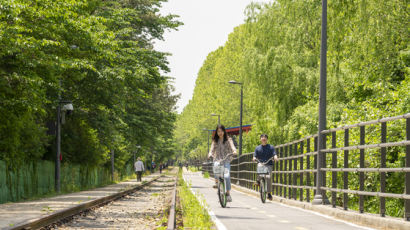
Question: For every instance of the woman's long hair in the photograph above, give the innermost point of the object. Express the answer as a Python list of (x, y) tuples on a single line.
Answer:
[(216, 136)]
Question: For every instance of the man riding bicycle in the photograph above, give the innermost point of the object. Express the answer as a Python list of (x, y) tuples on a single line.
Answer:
[(263, 153)]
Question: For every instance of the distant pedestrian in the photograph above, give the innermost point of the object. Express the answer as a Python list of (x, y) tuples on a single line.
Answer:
[(160, 168), (139, 168), (153, 165)]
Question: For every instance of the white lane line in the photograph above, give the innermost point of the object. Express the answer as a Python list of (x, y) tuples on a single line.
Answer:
[(262, 212), (300, 228), (284, 221), (312, 212), (217, 222), (271, 216)]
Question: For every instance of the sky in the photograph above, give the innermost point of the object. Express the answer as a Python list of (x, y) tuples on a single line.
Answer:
[(207, 24)]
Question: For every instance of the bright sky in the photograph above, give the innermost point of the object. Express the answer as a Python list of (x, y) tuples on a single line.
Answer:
[(207, 24)]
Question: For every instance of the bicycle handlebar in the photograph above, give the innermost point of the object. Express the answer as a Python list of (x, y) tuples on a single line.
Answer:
[(266, 162), (226, 157)]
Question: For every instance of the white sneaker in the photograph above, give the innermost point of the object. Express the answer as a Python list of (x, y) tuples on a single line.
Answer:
[(228, 198)]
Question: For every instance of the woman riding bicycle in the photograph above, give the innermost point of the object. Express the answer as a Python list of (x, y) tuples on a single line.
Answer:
[(222, 145), (263, 153)]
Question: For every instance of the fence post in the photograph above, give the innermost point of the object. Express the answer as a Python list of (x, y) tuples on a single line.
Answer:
[(301, 173), (383, 174), (285, 176), (334, 165), (308, 167), (295, 167), (281, 169), (407, 202), (361, 174), (315, 164), (345, 174)]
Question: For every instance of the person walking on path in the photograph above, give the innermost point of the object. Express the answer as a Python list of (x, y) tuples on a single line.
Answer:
[(222, 145), (263, 153), (139, 168)]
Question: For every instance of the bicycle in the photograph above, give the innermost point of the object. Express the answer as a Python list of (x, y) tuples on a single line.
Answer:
[(262, 170), (220, 171)]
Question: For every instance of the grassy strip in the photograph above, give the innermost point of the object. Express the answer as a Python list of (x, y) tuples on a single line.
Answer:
[(193, 169), (206, 175), (194, 215)]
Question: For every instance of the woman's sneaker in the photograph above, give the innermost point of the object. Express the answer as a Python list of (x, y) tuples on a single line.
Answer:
[(228, 198)]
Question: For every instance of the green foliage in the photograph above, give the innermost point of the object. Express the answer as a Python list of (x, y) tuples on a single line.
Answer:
[(206, 175), (276, 54), (99, 55)]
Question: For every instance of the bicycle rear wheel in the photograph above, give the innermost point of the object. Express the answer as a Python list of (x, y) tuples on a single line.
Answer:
[(262, 190), (221, 193)]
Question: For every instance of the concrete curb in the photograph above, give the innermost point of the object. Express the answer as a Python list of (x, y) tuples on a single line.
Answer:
[(362, 219)]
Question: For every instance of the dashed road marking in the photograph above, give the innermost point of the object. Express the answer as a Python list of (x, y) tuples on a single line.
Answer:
[(262, 212), (271, 216), (300, 228), (284, 221)]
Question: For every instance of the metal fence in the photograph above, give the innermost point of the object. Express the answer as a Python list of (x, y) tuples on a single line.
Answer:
[(294, 176)]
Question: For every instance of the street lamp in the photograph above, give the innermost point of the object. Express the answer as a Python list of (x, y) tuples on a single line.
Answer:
[(66, 108), (320, 196), (240, 117), (219, 118)]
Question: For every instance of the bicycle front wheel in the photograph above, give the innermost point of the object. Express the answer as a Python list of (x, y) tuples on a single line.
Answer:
[(221, 193), (262, 190)]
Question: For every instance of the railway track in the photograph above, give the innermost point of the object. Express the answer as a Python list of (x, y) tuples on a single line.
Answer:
[(142, 207)]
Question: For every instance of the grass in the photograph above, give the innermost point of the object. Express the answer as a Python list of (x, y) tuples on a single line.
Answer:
[(194, 215), (193, 169), (163, 222), (206, 175)]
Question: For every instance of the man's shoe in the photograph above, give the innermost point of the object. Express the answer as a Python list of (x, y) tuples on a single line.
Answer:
[(228, 198), (214, 186), (269, 196)]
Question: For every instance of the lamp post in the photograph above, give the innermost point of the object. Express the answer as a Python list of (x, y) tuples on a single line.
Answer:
[(68, 107), (219, 118), (240, 117), (320, 196)]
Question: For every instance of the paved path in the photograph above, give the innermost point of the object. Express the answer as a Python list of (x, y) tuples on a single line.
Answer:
[(248, 212), (12, 214)]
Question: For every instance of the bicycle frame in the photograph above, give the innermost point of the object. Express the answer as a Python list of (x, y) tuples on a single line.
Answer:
[(262, 172), (219, 171)]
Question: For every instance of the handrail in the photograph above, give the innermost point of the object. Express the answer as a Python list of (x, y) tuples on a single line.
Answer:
[(294, 176)]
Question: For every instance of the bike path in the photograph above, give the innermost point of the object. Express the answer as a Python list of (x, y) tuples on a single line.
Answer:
[(12, 214), (248, 212)]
